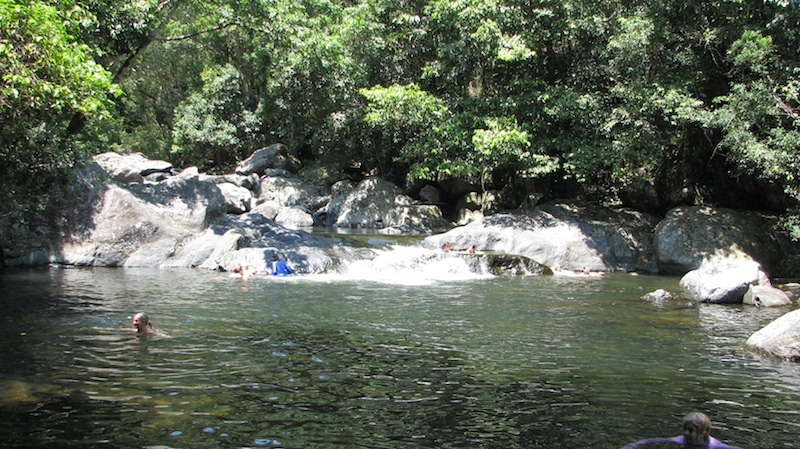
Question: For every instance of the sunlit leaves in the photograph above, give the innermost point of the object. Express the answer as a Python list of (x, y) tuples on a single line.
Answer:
[(753, 52), (513, 48), (629, 48), (44, 69), (397, 107), (52, 96), (759, 118), (213, 126), (405, 117), (503, 143)]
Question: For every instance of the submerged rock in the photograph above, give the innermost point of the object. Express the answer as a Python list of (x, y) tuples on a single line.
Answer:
[(658, 296)]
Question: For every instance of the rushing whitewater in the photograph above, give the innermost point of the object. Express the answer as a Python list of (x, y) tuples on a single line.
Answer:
[(413, 265)]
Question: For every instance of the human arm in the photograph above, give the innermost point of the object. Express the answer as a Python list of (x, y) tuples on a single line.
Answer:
[(673, 440), (714, 443)]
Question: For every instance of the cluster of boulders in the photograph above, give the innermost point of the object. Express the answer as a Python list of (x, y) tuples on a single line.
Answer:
[(267, 183), (137, 212), (143, 213)]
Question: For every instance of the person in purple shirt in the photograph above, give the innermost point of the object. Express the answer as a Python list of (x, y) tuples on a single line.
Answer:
[(696, 435)]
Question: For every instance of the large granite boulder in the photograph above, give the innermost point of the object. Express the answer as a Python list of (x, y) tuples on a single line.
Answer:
[(294, 217), (249, 182), (378, 204), (290, 201), (570, 236), (290, 191), (130, 219), (237, 199), (723, 279), (130, 167), (687, 236), (780, 338), (275, 156)]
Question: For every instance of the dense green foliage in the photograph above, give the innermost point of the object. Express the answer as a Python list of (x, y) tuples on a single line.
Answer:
[(50, 85), (564, 97)]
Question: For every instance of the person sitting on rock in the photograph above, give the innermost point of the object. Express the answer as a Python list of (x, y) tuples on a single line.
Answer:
[(279, 267), (696, 435)]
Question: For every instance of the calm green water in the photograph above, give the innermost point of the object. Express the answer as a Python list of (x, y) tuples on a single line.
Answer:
[(377, 358)]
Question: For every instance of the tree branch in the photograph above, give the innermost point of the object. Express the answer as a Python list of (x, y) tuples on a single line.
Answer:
[(151, 37), (197, 33)]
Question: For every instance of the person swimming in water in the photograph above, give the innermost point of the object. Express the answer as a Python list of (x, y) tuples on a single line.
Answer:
[(143, 326), (242, 271), (696, 435)]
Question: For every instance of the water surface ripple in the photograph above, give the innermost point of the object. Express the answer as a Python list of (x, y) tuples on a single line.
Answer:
[(349, 360)]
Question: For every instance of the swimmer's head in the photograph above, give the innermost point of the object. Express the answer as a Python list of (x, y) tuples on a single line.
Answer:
[(696, 428), (141, 322)]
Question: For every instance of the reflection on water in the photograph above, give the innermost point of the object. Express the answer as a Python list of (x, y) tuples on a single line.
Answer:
[(386, 358)]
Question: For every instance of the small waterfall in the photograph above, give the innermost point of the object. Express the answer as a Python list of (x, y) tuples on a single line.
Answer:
[(415, 265)]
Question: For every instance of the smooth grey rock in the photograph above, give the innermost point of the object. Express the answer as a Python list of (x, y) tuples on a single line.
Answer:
[(723, 280), (274, 156), (765, 296), (376, 204), (780, 338), (569, 236), (130, 167), (689, 235)]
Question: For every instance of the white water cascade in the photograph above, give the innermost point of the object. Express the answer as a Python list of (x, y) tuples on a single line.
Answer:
[(414, 265)]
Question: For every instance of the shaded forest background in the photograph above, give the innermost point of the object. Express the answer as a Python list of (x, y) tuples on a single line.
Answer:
[(693, 101)]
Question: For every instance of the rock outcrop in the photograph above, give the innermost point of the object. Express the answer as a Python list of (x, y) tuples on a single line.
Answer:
[(275, 156), (378, 204), (128, 220), (688, 236), (190, 219), (137, 212), (570, 236), (133, 167)]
